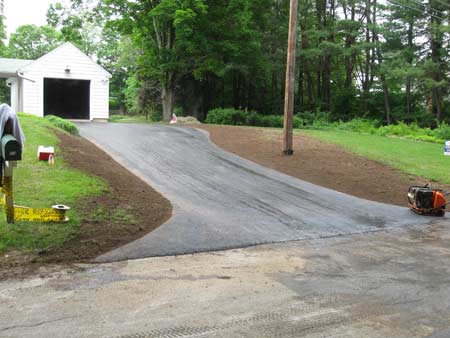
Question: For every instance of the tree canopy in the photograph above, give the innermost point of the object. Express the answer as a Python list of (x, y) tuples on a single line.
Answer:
[(380, 59)]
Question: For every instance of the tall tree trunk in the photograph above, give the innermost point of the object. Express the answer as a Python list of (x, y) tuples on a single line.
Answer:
[(436, 103), (274, 95), (302, 66), (300, 89), (327, 59), (321, 6), (379, 55), (436, 46), (387, 105), (236, 89), (168, 100), (367, 63), (410, 61), (165, 40), (349, 59), (310, 90)]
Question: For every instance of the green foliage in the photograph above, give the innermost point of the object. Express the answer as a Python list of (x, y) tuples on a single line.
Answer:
[(135, 118), (236, 117), (2, 37), (131, 93), (320, 121), (63, 124), (402, 130), (36, 184), (356, 125), (227, 116), (5, 91), (442, 132), (156, 115), (316, 118), (31, 42), (80, 23), (114, 103), (384, 62)]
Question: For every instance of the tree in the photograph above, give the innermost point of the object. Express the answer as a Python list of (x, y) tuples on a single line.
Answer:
[(159, 30), (4, 90), (80, 24), (356, 58), (31, 42)]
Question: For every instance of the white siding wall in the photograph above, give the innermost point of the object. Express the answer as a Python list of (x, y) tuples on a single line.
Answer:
[(14, 82), (31, 96), (53, 65)]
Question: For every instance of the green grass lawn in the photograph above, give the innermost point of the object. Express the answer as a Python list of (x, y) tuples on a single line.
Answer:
[(37, 184), (130, 119), (414, 157)]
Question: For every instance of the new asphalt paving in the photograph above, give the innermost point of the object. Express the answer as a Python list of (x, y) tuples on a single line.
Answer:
[(222, 201)]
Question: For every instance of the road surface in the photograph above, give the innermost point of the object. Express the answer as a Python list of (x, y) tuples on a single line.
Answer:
[(222, 201), (388, 284)]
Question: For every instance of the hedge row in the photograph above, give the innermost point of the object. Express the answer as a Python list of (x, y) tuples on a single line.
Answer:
[(63, 124), (238, 117)]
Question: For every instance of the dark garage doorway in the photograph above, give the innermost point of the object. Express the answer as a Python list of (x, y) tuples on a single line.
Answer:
[(68, 99)]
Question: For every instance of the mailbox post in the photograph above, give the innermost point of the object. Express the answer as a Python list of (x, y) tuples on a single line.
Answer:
[(8, 191), (11, 151)]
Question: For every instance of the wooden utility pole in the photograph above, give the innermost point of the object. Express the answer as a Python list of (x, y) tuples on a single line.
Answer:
[(290, 79)]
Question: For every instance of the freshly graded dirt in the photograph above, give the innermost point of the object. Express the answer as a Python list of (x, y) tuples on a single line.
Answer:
[(317, 162), (97, 235)]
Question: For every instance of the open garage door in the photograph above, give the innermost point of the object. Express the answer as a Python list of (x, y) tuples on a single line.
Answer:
[(68, 99)]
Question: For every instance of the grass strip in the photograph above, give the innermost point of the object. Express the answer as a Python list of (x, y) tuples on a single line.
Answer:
[(413, 157), (38, 184)]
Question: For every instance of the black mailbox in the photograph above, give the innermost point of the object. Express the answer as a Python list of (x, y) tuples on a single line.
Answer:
[(11, 148)]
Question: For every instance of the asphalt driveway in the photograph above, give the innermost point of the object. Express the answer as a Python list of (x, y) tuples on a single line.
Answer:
[(222, 201)]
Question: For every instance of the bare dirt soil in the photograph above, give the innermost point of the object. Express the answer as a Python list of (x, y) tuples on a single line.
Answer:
[(98, 233), (320, 163)]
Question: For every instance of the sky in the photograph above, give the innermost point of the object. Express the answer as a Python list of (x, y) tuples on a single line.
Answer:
[(22, 12)]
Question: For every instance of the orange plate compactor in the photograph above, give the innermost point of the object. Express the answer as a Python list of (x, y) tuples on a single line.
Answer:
[(427, 201)]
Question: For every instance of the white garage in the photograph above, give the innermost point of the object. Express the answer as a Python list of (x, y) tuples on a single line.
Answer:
[(65, 82)]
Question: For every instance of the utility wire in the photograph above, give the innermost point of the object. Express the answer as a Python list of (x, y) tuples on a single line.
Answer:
[(442, 3), (415, 9), (427, 7)]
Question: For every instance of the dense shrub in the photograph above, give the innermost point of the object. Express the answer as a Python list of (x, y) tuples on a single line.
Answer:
[(320, 120), (442, 132), (410, 131), (156, 115), (310, 118), (63, 124), (236, 117), (228, 116), (114, 103), (357, 125)]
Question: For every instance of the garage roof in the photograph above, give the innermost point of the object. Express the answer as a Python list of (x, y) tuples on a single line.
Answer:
[(63, 49), (10, 67)]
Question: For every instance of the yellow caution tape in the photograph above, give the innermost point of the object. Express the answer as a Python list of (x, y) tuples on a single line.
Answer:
[(19, 213), (38, 215)]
